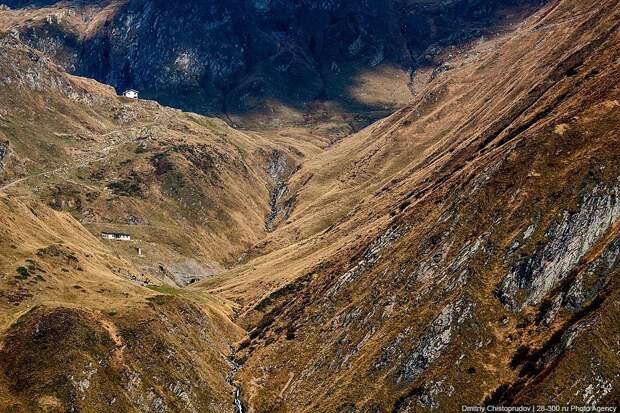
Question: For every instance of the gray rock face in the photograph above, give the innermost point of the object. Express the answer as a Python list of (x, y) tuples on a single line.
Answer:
[(4, 150), (587, 285), (426, 397), (553, 310), (566, 340), (35, 74), (566, 242), (436, 339), (370, 257), (279, 171)]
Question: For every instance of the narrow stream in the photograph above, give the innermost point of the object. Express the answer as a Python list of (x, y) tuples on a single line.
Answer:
[(234, 368)]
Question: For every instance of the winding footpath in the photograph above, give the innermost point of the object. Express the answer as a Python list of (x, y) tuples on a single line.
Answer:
[(95, 156)]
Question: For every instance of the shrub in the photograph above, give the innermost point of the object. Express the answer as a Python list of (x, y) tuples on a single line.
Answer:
[(23, 273)]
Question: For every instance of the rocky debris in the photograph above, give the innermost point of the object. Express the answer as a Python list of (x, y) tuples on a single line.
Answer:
[(276, 195), (553, 310), (575, 295), (139, 280), (444, 265), (566, 241), (435, 340), (279, 171), (277, 165), (82, 383), (527, 234), (230, 380), (457, 271), (182, 390), (186, 272), (146, 400), (595, 392), (426, 396), (125, 114), (370, 256), (135, 220)]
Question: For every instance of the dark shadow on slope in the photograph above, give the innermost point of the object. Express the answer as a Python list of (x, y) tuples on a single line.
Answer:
[(291, 61)]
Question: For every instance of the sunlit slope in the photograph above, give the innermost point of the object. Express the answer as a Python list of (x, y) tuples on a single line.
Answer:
[(76, 334), (480, 257), (191, 191)]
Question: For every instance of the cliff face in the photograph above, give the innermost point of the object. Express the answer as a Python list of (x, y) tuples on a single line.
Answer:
[(239, 57)]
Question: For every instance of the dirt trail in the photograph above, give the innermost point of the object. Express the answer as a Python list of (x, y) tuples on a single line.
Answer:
[(95, 155)]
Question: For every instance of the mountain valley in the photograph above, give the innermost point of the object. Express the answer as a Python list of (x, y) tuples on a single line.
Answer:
[(336, 206)]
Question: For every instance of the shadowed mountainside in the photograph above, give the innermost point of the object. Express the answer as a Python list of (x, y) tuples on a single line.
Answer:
[(259, 62)]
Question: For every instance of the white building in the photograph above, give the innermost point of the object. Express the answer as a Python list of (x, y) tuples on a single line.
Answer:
[(132, 94), (116, 236)]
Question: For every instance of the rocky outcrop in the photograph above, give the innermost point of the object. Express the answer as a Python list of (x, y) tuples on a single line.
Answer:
[(278, 170), (4, 150), (29, 70), (588, 283), (566, 242), (435, 340), (369, 257)]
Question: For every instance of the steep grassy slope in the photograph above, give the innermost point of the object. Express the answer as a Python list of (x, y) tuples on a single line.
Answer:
[(464, 250), (481, 257), (80, 329)]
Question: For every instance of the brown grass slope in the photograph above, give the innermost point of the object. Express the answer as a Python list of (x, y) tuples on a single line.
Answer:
[(193, 192), (80, 331), (76, 335), (480, 259)]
